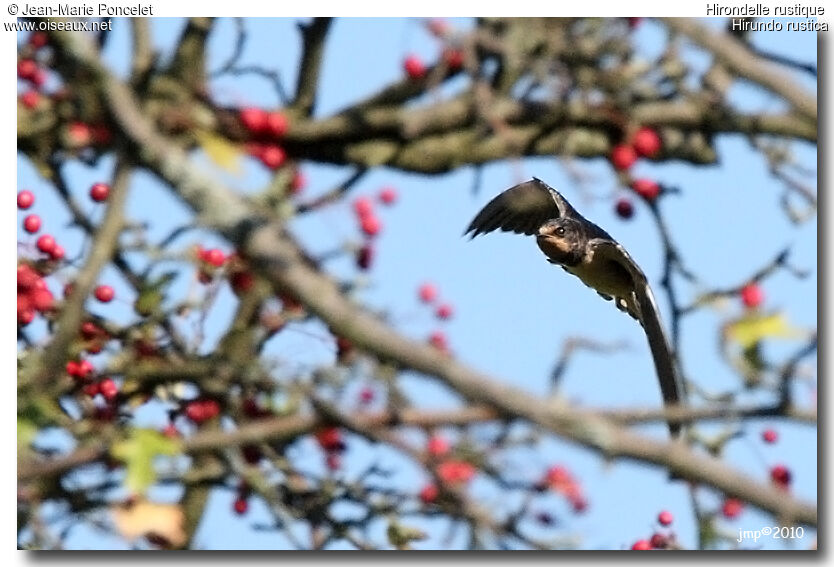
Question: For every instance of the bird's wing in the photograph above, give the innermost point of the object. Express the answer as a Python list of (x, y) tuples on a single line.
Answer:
[(671, 385), (521, 209)]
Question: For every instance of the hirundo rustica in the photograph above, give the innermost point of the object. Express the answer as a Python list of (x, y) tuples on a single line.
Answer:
[(586, 251)]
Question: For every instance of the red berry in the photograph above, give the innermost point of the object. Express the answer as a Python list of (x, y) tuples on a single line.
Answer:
[(634, 22), (24, 302), (438, 340), (46, 243), (25, 199), (428, 493), (253, 119), (30, 99), (365, 257), (38, 78), (26, 69), (558, 478), (578, 503), (104, 293), (453, 58), (427, 292), (455, 471), (242, 282), (623, 157), (89, 330), (72, 368), (277, 124), (371, 225), (42, 300), (91, 389), (646, 142), (641, 545), (251, 454), (171, 431), (731, 508), (665, 518), (780, 475), (85, 368), (414, 67), (99, 192), (27, 277), (752, 295), (624, 208), (101, 134), (38, 39), (58, 252), (108, 389), (272, 156), (241, 506), (646, 188), (363, 207), (444, 311), (437, 446), (366, 395), (438, 27), (199, 411), (32, 224), (388, 195), (298, 182), (94, 347), (658, 541), (770, 436), (330, 439), (26, 316), (215, 257), (79, 134)]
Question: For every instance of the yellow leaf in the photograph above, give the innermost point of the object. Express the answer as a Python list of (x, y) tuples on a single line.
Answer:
[(137, 451), (220, 150), (142, 518), (755, 327)]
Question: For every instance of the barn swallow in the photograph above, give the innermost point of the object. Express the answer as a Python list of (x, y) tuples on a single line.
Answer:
[(586, 251)]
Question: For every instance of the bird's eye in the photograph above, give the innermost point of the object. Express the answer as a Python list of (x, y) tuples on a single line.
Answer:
[(560, 231)]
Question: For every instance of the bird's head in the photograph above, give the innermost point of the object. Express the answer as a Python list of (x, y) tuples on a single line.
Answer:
[(562, 240)]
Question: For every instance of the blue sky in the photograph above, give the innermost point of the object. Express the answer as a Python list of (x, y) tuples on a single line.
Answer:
[(727, 223)]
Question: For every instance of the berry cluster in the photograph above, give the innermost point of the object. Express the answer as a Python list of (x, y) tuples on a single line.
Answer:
[(660, 539), (266, 129), (451, 55), (33, 295), (369, 224), (429, 295), (644, 143)]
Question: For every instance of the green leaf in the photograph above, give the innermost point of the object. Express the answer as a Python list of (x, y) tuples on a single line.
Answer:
[(137, 452)]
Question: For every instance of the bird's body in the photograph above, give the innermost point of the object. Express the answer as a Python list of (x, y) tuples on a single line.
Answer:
[(586, 251)]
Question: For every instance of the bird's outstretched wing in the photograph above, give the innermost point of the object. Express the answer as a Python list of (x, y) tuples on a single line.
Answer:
[(521, 209), (671, 385)]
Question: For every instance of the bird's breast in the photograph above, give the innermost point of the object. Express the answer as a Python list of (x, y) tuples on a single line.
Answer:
[(604, 276)]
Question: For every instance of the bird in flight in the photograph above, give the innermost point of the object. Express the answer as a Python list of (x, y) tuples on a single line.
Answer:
[(586, 251)]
